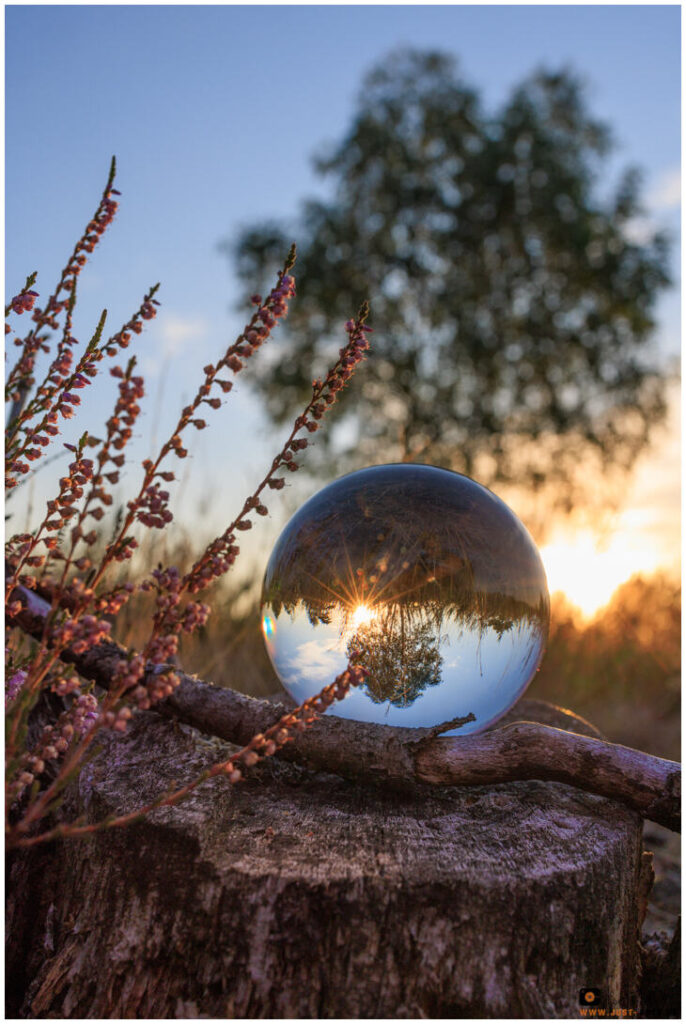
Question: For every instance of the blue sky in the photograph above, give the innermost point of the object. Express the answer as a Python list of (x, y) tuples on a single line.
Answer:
[(214, 114)]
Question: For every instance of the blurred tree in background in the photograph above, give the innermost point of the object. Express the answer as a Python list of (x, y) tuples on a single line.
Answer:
[(512, 308)]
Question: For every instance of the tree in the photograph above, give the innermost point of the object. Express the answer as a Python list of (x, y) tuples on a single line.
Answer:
[(512, 307), (400, 650)]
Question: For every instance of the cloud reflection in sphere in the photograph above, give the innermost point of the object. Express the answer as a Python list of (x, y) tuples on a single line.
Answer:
[(423, 576)]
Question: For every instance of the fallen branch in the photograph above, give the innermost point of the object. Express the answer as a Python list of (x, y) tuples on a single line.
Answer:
[(521, 750)]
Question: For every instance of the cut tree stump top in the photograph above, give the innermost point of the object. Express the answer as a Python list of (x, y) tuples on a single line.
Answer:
[(300, 894)]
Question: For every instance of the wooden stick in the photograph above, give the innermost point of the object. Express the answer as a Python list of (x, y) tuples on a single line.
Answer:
[(527, 750), (359, 750)]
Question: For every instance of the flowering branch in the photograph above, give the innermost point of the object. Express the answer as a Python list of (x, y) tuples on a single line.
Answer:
[(56, 394), (261, 745), (24, 301), (73, 622), (84, 631), (222, 552), (20, 378)]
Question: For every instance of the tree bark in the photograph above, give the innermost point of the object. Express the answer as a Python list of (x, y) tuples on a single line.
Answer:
[(661, 974), (302, 894)]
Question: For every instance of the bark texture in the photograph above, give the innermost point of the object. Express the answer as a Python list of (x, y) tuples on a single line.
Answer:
[(661, 975), (298, 894)]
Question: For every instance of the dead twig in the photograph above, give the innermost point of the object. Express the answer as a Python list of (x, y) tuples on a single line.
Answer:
[(522, 750)]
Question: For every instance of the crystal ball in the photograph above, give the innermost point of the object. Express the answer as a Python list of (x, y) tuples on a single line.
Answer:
[(421, 575)]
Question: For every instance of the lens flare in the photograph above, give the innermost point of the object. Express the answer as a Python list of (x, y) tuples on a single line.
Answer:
[(362, 615), (268, 626)]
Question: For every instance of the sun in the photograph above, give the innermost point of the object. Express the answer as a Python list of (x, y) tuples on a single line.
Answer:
[(588, 574), (362, 615)]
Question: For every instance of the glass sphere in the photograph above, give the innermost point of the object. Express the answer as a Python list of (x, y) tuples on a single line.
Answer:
[(421, 575)]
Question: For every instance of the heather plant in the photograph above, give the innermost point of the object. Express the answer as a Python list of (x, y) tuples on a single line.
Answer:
[(66, 569)]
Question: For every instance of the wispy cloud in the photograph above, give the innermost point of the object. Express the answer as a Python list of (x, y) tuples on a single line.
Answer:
[(171, 335), (317, 663), (666, 192), (178, 332)]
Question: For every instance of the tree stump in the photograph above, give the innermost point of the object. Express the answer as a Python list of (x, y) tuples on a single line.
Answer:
[(299, 894)]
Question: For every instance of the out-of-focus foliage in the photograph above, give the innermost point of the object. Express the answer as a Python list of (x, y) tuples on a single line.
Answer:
[(622, 669), (510, 301)]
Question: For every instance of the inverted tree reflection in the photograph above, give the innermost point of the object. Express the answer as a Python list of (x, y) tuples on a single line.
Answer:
[(417, 570), (400, 649)]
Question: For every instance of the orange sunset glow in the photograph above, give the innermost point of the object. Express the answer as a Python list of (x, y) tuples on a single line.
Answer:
[(588, 573)]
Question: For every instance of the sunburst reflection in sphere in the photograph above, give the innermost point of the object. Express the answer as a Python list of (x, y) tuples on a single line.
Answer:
[(361, 616), (421, 575)]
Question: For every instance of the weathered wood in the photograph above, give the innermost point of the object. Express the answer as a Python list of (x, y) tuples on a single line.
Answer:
[(661, 975), (648, 784), (521, 750), (299, 894), (525, 750)]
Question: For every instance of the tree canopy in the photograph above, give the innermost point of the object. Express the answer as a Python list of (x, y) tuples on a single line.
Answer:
[(512, 304)]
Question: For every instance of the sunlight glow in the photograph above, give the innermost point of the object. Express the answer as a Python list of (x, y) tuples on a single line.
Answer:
[(362, 615), (588, 574)]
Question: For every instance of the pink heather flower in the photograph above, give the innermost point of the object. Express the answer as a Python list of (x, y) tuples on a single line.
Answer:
[(14, 685), (24, 301)]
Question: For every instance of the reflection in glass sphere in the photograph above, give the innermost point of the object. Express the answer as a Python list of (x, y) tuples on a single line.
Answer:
[(429, 577)]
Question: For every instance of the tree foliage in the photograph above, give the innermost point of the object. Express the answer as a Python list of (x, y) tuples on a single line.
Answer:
[(401, 652), (511, 303)]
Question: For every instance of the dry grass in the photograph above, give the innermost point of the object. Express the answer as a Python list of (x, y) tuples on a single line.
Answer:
[(228, 650), (621, 670)]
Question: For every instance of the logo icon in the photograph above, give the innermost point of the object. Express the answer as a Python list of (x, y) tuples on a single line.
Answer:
[(589, 996)]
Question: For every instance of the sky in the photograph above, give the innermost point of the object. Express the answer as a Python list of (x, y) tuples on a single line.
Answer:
[(480, 668), (214, 114)]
